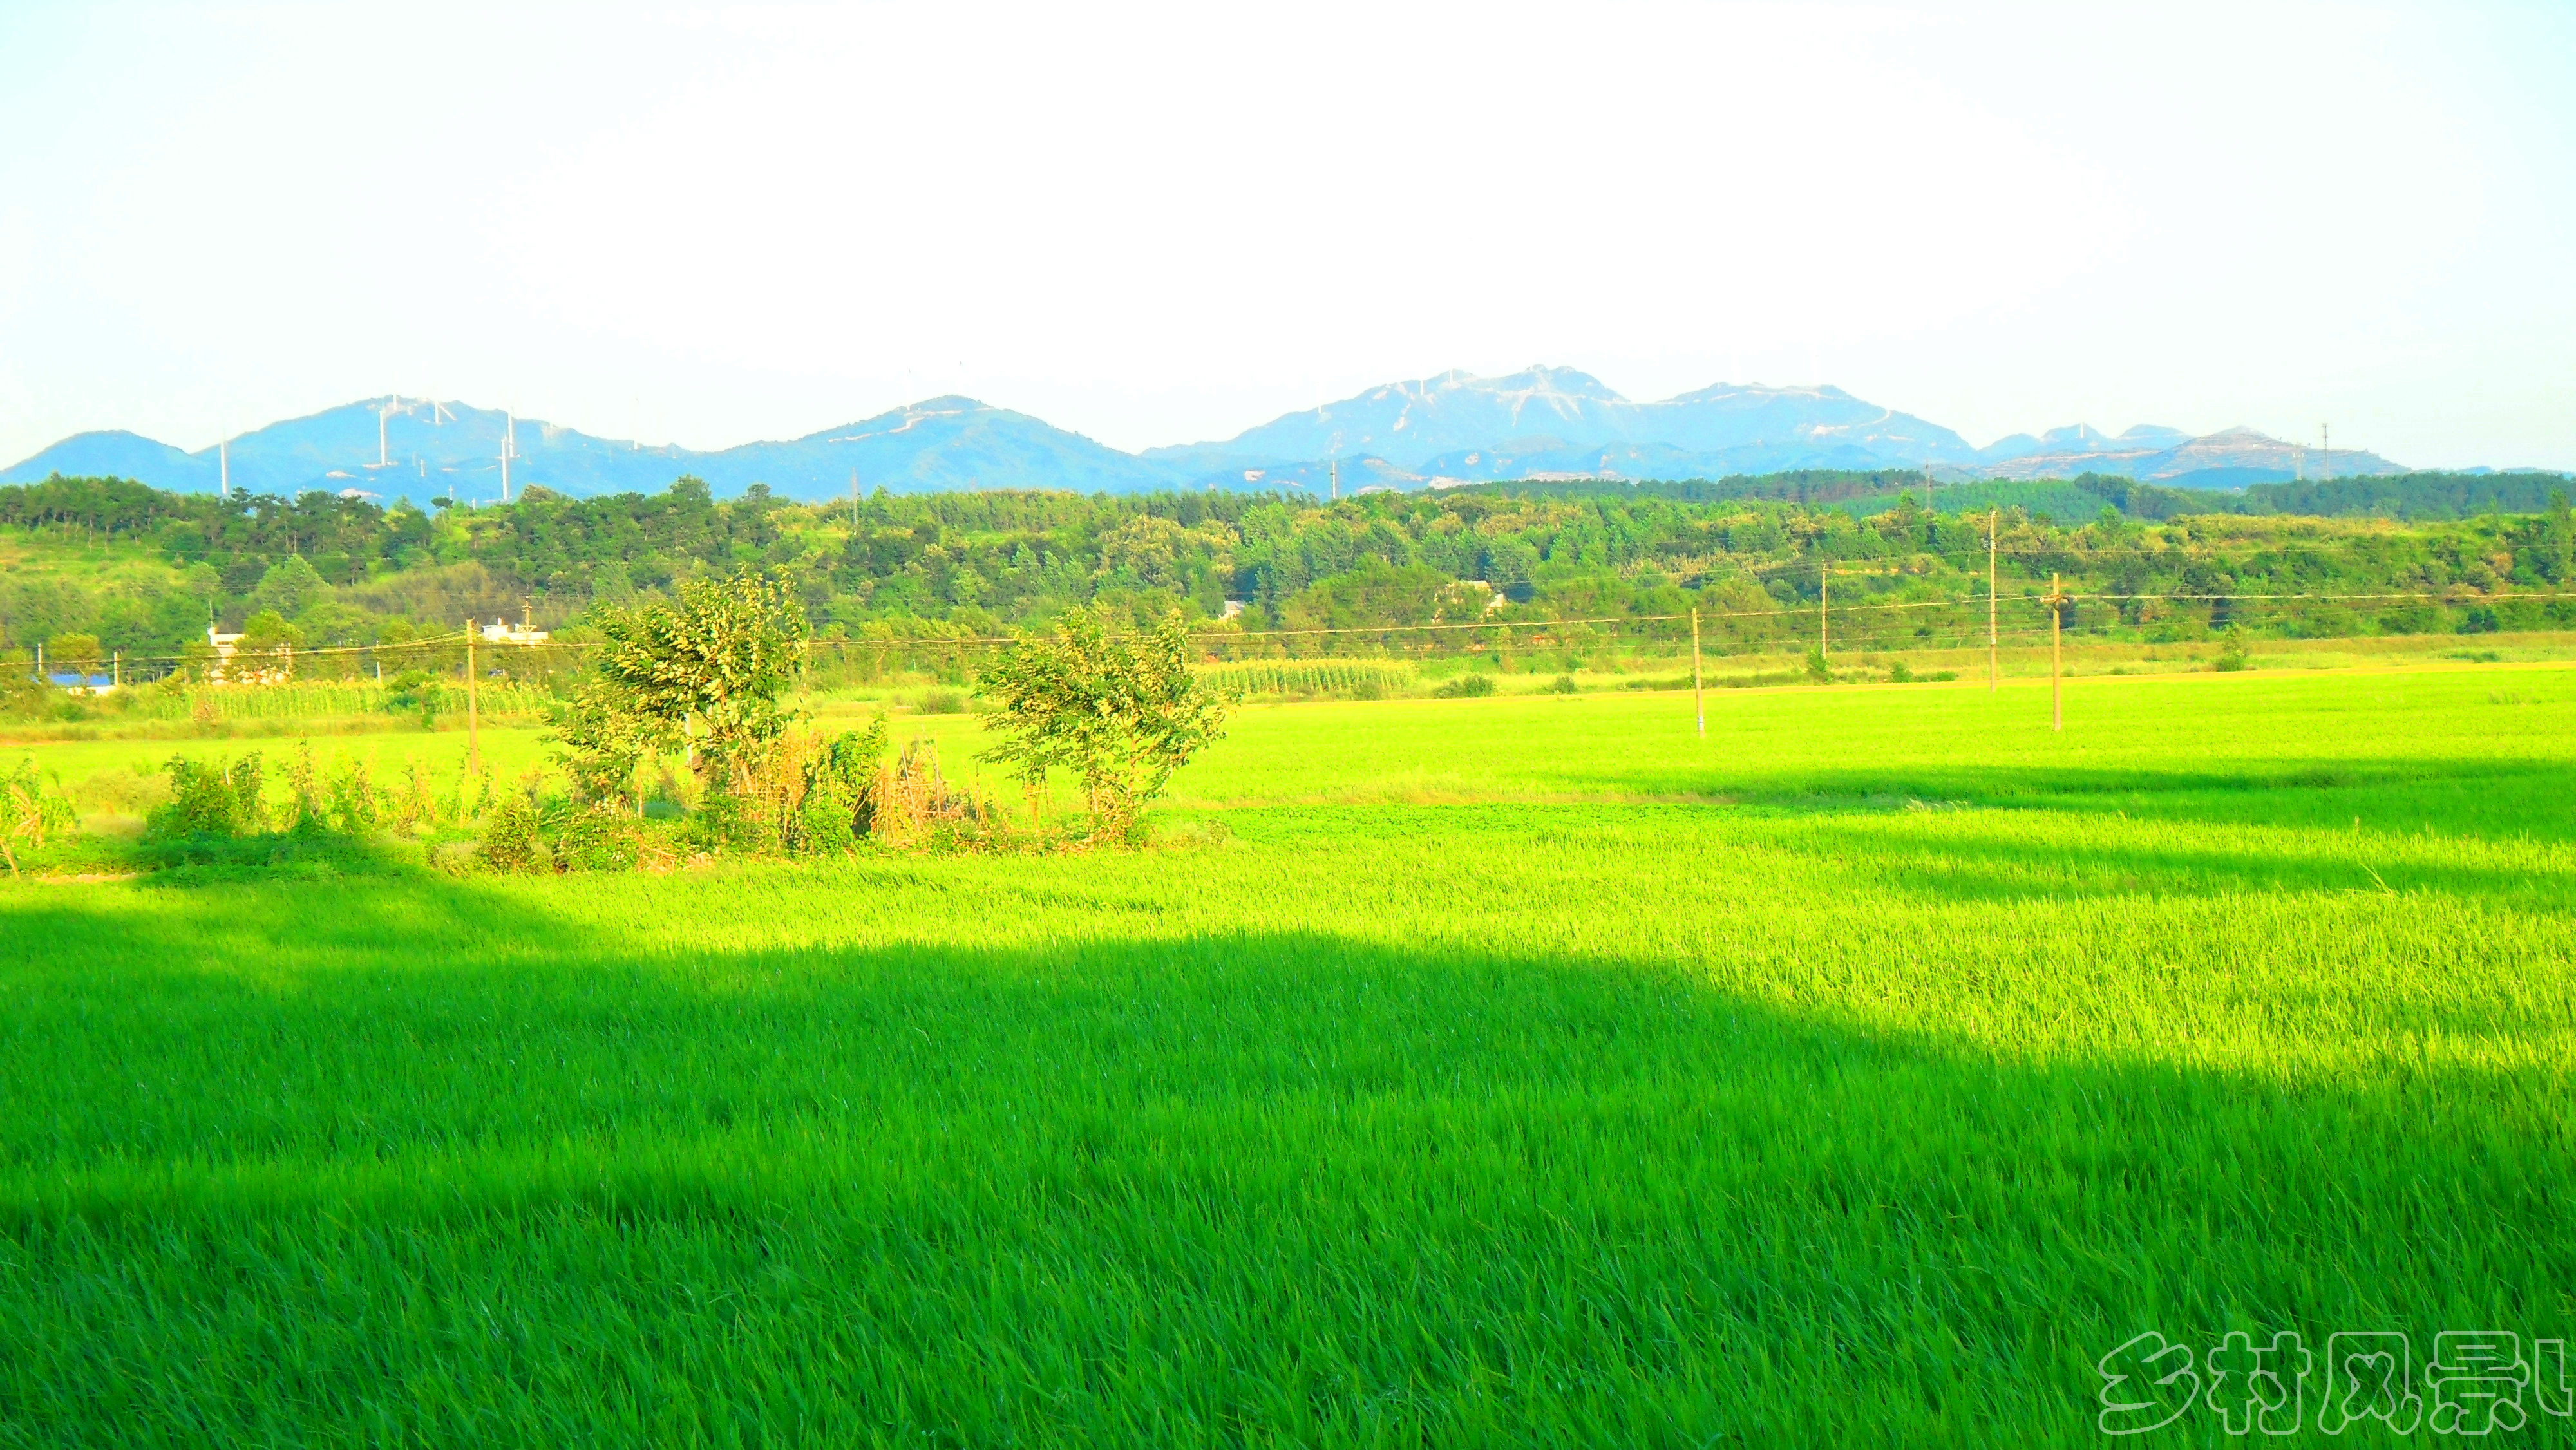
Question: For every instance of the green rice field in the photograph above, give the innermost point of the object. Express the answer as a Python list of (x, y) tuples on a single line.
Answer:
[(1527, 1070)]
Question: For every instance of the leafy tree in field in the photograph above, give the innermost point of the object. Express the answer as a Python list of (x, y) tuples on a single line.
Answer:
[(29, 812), (705, 670), (265, 631), (1121, 712), (72, 652)]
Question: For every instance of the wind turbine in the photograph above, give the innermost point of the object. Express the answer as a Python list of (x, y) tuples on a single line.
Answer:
[(393, 404), (509, 450)]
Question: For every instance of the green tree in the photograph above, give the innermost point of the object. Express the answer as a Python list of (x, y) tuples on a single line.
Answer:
[(266, 631), (292, 587), (705, 670), (1121, 712), (72, 652)]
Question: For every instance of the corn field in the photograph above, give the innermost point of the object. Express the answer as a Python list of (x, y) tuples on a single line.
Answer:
[(1307, 677), (324, 699)]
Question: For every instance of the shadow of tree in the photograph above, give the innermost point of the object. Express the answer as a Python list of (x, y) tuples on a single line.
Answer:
[(1969, 857), (416, 1157), (2497, 799)]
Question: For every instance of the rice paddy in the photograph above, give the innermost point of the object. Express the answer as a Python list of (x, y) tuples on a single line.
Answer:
[(1486, 1071)]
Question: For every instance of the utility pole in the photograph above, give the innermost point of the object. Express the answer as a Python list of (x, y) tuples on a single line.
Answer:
[(1994, 670), (2056, 654), (1927, 488), (1699, 700), (1337, 479), (473, 722), (1824, 581)]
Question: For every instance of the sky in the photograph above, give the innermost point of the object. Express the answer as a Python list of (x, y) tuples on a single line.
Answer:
[(707, 224)]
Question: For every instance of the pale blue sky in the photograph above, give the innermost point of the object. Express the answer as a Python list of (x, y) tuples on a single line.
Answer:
[(712, 223)]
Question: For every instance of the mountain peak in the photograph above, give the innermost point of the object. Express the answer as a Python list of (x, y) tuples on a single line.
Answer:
[(1538, 378)]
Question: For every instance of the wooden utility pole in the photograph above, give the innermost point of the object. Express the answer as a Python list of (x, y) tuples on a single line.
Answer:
[(2056, 654), (1699, 699), (473, 717), (1994, 670), (1824, 579)]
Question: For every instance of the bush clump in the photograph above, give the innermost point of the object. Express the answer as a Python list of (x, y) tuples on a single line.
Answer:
[(218, 798), (511, 839)]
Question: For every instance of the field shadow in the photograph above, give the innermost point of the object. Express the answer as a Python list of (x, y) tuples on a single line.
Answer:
[(2490, 799), (1966, 860), (447, 1162)]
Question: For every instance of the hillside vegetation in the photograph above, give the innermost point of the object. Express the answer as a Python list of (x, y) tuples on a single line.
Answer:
[(112, 567)]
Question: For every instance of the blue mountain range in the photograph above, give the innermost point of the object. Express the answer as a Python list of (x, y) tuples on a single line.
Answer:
[(1433, 432)]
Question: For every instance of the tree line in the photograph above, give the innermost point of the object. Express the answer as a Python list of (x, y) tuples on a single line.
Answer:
[(106, 566)]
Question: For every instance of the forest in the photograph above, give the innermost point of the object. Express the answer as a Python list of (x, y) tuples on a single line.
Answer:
[(94, 567)]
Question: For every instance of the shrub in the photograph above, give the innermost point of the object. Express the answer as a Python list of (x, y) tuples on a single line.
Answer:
[(218, 799), (354, 806), (511, 841), (1466, 687), (29, 812), (914, 800), (415, 692), (1563, 685), (1817, 669), (591, 840)]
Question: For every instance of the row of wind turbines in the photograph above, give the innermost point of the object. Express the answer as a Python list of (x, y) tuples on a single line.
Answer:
[(391, 407)]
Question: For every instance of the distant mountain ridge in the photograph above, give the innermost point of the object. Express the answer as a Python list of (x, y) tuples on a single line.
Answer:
[(1412, 424), (1450, 429), (411, 447)]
